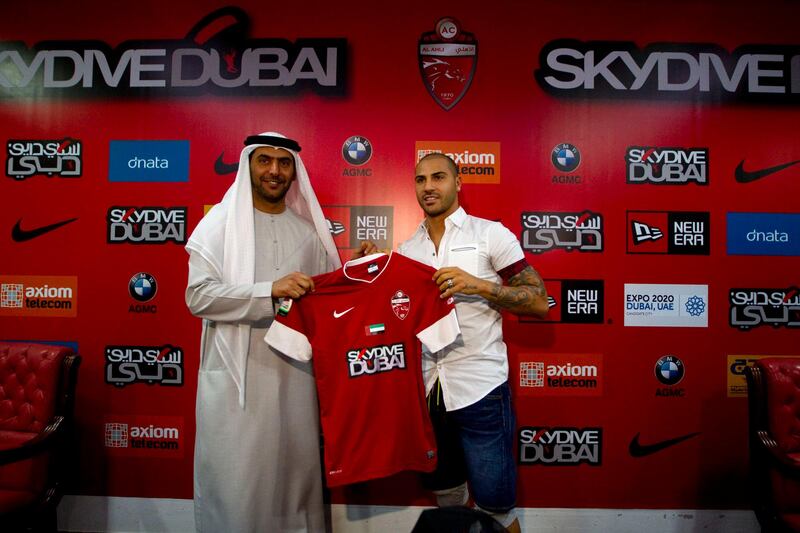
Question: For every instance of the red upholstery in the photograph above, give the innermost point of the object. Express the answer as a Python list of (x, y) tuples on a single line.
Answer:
[(774, 405)]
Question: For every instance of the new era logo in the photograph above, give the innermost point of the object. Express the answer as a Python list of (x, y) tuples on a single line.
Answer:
[(643, 232)]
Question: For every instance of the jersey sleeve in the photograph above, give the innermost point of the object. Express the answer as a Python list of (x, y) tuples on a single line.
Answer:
[(288, 332), (504, 248)]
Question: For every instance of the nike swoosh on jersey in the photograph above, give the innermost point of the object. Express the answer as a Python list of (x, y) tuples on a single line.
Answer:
[(222, 168), (21, 235), (641, 450), (743, 176), (337, 314)]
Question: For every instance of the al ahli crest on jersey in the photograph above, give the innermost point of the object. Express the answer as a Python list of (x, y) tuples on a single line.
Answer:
[(401, 304), (448, 58)]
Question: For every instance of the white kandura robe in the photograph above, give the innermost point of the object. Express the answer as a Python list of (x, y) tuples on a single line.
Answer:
[(257, 469)]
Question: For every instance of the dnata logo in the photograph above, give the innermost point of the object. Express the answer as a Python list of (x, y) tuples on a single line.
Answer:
[(560, 446), (57, 157), (764, 234), (376, 359), (54, 296), (670, 71), (477, 162), (148, 161), (215, 56)]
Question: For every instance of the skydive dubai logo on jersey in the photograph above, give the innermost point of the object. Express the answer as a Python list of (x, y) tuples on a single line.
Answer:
[(666, 166), (560, 446), (144, 436), (146, 225), (216, 56), (56, 157), (477, 162), (448, 58), (543, 231), (144, 364), (668, 232), (376, 359), (560, 374), (573, 301), (351, 224), (44, 296), (750, 308), (670, 71)]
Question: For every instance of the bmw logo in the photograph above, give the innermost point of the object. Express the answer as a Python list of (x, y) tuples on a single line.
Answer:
[(142, 287), (356, 150), (566, 157), (669, 370)]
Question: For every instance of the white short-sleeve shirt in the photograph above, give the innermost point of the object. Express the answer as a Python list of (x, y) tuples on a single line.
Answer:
[(477, 362)]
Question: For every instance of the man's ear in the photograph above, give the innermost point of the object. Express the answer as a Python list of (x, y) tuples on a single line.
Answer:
[(458, 183)]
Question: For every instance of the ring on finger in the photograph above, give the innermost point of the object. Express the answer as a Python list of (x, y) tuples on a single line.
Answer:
[(450, 283)]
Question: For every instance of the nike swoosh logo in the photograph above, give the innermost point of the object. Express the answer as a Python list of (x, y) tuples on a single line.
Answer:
[(222, 168), (21, 235), (337, 315), (742, 176), (640, 450)]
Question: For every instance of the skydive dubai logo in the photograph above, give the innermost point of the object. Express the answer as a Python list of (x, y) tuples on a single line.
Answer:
[(477, 162), (666, 305), (670, 71), (144, 364), (57, 157), (666, 166), (560, 446), (144, 436), (216, 56), (146, 225), (543, 231), (376, 359), (573, 301), (561, 374), (44, 296), (668, 232), (349, 225), (750, 308), (448, 58), (357, 151)]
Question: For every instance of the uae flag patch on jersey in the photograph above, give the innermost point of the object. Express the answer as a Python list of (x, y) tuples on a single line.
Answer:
[(375, 329)]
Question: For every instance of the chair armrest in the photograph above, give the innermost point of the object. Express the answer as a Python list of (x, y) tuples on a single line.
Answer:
[(40, 443)]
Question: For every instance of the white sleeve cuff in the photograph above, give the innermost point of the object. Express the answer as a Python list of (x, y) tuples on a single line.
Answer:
[(441, 333), (289, 342)]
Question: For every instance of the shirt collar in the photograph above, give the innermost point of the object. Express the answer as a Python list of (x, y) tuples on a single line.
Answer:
[(456, 218)]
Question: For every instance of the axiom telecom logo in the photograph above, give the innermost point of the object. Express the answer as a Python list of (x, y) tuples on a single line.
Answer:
[(670, 71), (666, 166), (754, 307), (736, 380), (477, 162), (571, 231), (50, 157), (573, 301), (448, 57), (161, 365), (351, 224), (560, 446), (42, 296), (668, 232), (560, 375), (146, 225), (666, 305), (376, 359), (216, 56), (144, 436)]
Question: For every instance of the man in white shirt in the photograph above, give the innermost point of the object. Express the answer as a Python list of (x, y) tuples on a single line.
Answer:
[(481, 265)]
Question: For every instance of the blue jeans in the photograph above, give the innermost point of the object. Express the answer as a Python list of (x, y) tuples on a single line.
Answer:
[(476, 444)]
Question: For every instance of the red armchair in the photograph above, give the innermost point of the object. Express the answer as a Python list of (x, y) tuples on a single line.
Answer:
[(37, 391), (774, 404)]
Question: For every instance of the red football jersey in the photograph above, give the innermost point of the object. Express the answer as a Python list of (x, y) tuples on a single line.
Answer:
[(363, 324)]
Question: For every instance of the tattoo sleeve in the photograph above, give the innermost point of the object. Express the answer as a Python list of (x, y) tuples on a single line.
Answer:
[(524, 295)]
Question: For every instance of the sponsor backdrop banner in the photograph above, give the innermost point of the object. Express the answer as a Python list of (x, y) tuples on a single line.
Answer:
[(650, 179)]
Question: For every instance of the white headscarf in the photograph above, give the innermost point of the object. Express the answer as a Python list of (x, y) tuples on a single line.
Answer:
[(225, 238)]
